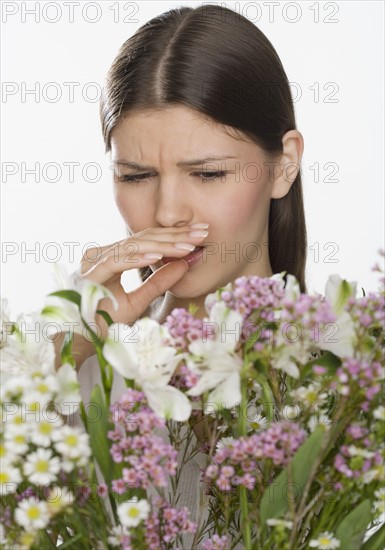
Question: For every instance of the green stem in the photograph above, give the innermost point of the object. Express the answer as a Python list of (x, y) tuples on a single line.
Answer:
[(106, 375), (244, 505)]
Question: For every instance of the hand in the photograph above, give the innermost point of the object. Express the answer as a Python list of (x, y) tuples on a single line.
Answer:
[(105, 265)]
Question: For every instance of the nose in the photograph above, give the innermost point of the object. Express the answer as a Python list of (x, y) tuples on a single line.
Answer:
[(172, 205)]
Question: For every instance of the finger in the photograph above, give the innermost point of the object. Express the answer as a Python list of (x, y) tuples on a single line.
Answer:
[(153, 287), (133, 242), (94, 254), (134, 257)]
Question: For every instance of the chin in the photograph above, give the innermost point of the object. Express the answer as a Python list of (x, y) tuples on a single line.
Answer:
[(187, 289), (184, 290)]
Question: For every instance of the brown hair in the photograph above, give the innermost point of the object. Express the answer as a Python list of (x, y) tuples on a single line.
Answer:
[(217, 62)]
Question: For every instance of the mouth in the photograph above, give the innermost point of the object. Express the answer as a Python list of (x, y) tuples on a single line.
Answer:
[(191, 258)]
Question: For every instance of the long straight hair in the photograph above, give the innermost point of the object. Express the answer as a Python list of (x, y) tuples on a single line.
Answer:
[(215, 61)]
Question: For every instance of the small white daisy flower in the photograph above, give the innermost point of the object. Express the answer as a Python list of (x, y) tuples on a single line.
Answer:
[(42, 432), (291, 412), (117, 535), (41, 467), (68, 465), (31, 514), (254, 418), (72, 442), (309, 395), (42, 390), (17, 423), (325, 541), (224, 442), (318, 420), (379, 413), (356, 451), (18, 442), (131, 513), (14, 387), (7, 453), (58, 498), (9, 478)]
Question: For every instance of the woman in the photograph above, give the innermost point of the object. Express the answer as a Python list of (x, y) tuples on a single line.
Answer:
[(198, 117), (180, 90)]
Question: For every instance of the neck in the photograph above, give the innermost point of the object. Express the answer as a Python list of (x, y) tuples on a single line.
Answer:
[(170, 302), (164, 305)]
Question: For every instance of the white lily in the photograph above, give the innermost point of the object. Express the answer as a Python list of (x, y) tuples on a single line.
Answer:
[(28, 350), (340, 342), (66, 313), (338, 291), (292, 288), (216, 360), (149, 362)]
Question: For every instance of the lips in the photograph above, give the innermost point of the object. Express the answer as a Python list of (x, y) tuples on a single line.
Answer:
[(191, 258)]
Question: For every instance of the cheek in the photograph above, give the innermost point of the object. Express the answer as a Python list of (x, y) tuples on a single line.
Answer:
[(248, 206), (130, 209)]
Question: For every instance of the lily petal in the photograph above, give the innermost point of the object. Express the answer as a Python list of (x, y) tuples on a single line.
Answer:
[(228, 393), (342, 342), (338, 291), (207, 381), (92, 293), (120, 354), (168, 402)]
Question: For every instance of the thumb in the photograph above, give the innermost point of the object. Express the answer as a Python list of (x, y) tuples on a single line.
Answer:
[(153, 287)]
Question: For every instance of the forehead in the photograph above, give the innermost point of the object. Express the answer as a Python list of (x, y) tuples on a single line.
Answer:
[(176, 130)]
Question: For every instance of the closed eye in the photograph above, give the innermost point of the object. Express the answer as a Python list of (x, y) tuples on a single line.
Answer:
[(137, 178), (205, 176)]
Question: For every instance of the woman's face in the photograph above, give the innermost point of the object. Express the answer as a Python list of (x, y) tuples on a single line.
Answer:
[(171, 192)]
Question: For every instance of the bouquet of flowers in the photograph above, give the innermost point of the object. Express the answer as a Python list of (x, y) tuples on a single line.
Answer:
[(278, 395)]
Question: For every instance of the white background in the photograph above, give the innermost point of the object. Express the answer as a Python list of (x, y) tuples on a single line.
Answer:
[(348, 53)]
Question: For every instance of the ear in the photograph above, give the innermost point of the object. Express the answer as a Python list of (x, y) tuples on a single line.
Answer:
[(289, 164)]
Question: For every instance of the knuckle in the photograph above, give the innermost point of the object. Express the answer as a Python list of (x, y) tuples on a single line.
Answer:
[(91, 255)]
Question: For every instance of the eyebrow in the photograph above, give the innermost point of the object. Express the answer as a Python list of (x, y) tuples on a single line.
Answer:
[(194, 162)]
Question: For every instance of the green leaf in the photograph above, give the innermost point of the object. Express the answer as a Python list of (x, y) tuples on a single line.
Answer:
[(376, 541), (106, 316), (352, 528), (83, 415), (327, 359), (66, 350), (97, 429), (345, 291), (70, 295), (275, 501), (267, 398)]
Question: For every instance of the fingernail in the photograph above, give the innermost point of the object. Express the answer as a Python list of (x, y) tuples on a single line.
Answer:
[(198, 233), (199, 225), (184, 246), (152, 256)]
